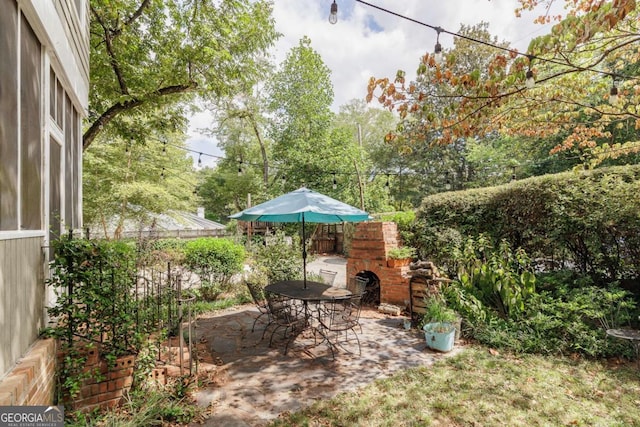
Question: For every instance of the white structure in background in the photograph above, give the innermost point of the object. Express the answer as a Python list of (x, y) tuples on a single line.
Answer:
[(44, 87), (172, 223)]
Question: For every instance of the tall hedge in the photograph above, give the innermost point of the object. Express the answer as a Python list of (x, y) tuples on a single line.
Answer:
[(588, 220)]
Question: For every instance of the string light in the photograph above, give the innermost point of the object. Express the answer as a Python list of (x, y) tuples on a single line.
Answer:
[(613, 95), (164, 147), (162, 173), (530, 80), (200, 160), (387, 174), (506, 49), (386, 184), (335, 183), (438, 48), (283, 179), (333, 14), (240, 168), (513, 174)]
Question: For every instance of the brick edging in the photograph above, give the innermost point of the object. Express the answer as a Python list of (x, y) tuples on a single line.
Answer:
[(32, 380)]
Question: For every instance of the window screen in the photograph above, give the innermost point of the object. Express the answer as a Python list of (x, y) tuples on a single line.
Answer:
[(8, 116), (77, 155), (69, 161), (30, 128), (54, 190)]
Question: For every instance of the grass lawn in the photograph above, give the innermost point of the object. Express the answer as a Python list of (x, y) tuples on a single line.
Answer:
[(483, 388)]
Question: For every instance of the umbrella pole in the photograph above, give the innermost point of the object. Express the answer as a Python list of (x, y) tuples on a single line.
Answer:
[(304, 254)]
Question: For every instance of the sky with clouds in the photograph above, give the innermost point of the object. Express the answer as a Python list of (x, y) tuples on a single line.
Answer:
[(367, 42)]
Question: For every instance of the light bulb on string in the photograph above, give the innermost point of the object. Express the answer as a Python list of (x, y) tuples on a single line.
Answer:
[(164, 147), (200, 160), (162, 174), (438, 56), (240, 168), (529, 79), (530, 82), (333, 14), (387, 187), (613, 95), (335, 183), (283, 179)]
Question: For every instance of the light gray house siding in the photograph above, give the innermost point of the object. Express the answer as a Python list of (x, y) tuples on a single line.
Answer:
[(44, 84)]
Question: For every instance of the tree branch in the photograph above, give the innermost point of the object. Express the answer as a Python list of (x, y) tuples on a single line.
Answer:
[(117, 31), (120, 107), (112, 57)]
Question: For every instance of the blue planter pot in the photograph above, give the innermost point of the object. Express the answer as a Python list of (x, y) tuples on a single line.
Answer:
[(440, 336)]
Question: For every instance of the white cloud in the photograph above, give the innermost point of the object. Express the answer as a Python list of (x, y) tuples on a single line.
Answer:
[(368, 42)]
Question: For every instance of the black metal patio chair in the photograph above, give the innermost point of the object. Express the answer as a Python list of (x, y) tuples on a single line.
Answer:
[(260, 300), (287, 316), (339, 318)]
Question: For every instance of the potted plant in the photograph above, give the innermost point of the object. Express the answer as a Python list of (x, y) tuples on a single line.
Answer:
[(398, 257), (438, 324)]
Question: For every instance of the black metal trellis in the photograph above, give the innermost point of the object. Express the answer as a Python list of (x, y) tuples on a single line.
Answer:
[(133, 300)]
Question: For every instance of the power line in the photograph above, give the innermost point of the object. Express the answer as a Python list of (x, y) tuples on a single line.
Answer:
[(531, 57)]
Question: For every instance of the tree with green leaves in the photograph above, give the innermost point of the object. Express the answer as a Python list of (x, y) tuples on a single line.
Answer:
[(296, 141), (364, 129), (147, 54), (300, 96), (124, 181)]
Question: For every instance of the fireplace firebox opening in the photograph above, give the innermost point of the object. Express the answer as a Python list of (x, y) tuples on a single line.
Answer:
[(371, 295)]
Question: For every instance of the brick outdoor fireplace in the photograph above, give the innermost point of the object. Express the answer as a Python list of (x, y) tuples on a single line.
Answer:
[(367, 258)]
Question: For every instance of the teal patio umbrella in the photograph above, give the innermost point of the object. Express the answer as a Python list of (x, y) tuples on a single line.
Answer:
[(303, 205)]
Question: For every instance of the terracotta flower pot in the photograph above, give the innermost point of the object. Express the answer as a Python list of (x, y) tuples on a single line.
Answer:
[(393, 262)]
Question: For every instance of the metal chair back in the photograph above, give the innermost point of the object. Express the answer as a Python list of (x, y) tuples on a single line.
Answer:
[(357, 285), (260, 300), (328, 276)]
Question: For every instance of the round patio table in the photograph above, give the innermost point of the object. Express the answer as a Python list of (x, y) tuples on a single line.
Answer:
[(314, 291), (632, 335)]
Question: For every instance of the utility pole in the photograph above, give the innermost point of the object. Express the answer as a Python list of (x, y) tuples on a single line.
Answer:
[(355, 163)]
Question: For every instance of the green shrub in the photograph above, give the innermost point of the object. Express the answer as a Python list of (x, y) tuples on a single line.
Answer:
[(436, 244), (403, 219), (92, 280), (215, 261), (501, 279), (401, 253), (565, 318), (163, 251), (280, 257), (167, 244), (585, 220)]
